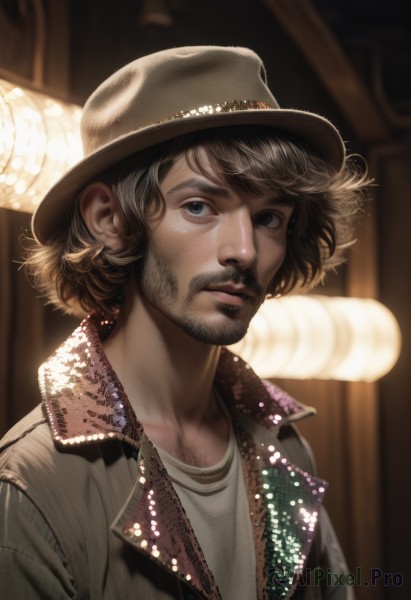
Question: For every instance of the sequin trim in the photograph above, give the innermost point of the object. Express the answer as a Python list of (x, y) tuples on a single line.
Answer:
[(84, 399), (87, 404), (220, 107), (259, 400), (284, 506), (157, 524)]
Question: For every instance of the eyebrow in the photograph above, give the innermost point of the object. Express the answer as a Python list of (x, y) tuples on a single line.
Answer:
[(206, 187), (202, 186)]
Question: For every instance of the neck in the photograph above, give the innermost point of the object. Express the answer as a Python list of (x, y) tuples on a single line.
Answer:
[(167, 375)]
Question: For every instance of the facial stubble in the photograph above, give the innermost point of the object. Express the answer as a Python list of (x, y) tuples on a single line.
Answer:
[(159, 286)]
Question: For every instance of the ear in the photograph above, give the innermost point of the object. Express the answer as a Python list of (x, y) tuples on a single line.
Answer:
[(100, 211)]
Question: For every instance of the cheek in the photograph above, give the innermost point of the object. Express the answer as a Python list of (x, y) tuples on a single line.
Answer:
[(177, 256), (270, 267), (181, 247), (271, 260)]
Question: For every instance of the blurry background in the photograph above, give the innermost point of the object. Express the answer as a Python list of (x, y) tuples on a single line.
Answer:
[(349, 61)]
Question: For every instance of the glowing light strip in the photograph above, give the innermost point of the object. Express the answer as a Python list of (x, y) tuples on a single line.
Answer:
[(303, 337)]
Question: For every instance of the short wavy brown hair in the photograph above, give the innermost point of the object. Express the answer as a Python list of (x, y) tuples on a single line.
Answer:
[(81, 276)]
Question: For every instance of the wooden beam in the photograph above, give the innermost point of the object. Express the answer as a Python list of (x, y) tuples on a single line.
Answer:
[(57, 65), (318, 44)]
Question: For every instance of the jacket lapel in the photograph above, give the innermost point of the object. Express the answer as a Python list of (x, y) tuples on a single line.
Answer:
[(284, 507), (284, 500), (86, 404), (153, 522)]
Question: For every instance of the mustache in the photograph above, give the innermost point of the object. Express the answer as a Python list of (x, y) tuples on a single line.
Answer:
[(229, 275)]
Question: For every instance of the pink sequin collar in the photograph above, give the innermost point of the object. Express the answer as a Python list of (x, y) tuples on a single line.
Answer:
[(86, 402)]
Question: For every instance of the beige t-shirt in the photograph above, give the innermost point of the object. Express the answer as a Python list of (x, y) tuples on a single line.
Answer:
[(216, 503)]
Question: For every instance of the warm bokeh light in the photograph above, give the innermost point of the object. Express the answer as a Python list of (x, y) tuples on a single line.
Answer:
[(302, 337), (295, 337), (39, 141)]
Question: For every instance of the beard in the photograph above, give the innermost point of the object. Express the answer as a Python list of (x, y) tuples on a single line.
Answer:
[(159, 286)]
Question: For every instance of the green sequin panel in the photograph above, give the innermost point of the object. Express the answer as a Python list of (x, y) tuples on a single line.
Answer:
[(292, 499)]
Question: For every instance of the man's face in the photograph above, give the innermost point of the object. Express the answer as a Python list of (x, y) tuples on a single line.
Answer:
[(212, 254)]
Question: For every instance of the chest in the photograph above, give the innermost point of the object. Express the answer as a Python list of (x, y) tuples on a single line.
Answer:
[(201, 446)]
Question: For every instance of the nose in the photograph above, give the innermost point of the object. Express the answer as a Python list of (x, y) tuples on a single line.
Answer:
[(237, 244)]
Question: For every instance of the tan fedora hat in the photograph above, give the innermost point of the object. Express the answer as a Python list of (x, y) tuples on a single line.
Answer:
[(170, 93)]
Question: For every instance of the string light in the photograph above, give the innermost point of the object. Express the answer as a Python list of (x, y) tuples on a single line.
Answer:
[(39, 141)]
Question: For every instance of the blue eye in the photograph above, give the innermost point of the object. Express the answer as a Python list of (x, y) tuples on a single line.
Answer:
[(198, 208)]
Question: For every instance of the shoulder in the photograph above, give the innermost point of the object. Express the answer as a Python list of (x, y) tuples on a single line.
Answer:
[(32, 420), (24, 446), (32, 461), (74, 488)]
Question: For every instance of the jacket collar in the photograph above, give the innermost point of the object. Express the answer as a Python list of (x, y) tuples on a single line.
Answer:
[(86, 403)]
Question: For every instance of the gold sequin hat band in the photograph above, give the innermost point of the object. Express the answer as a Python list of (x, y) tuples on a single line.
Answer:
[(170, 93)]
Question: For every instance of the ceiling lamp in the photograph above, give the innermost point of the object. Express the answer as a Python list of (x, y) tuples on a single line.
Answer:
[(321, 337), (39, 141)]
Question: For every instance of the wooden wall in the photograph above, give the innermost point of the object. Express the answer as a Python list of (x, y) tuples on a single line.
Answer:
[(360, 435)]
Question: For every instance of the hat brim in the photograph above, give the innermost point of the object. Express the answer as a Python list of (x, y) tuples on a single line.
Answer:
[(310, 128)]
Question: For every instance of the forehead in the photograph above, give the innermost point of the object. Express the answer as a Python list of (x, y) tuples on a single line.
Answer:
[(202, 178), (182, 170), (183, 178), (226, 169)]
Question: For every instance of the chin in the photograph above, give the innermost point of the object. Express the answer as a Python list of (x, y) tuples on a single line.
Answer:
[(225, 334)]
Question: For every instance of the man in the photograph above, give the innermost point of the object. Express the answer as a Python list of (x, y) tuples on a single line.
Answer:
[(159, 466)]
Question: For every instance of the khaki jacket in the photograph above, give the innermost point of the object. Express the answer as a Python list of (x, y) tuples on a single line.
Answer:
[(84, 461)]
